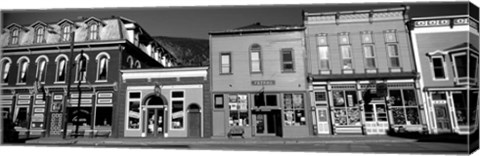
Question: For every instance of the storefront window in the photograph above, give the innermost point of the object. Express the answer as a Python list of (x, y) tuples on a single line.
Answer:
[(103, 117), (80, 116), (473, 107), (293, 107), (177, 114), (238, 107), (134, 110), (219, 101), (460, 103), (20, 118), (346, 110), (265, 100), (404, 107)]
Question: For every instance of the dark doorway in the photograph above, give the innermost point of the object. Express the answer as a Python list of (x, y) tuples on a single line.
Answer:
[(194, 121), (268, 123)]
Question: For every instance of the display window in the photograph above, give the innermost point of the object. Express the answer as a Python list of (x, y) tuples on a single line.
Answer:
[(20, 118), (404, 106), (473, 108), (103, 118), (460, 103), (238, 109), (134, 110), (80, 116), (294, 109), (345, 108), (178, 112)]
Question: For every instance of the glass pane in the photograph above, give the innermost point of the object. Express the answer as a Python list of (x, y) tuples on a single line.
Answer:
[(177, 94), (473, 67), (412, 116), (370, 63), (255, 56), (437, 62), (287, 56), (272, 100), (473, 108), (346, 52), (320, 96), (21, 119), (255, 66), (354, 116), (177, 114), (347, 64), (242, 102), (297, 101), (288, 67), (135, 95), (398, 116), (392, 50), (299, 117), (439, 96), (395, 62), (225, 59), (396, 98), (103, 117), (409, 97), (225, 69), (288, 101), (460, 102), (134, 115), (439, 73), (218, 101), (324, 64), (461, 64), (340, 116), (351, 98), (368, 51), (323, 53), (338, 99)]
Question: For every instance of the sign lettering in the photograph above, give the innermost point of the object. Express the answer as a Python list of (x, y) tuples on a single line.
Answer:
[(263, 82)]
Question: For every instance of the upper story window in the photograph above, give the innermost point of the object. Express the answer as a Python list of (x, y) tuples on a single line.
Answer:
[(82, 62), (390, 36), (368, 50), (102, 67), (23, 63), (255, 58), (460, 64), (130, 62), (438, 68), (392, 50), (6, 63), (287, 60), (41, 69), (39, 35), (367, 37), (225, 63), (61, 68), (93, 30), (66, 30), (473, 66), (346, 50), (322, 46), (138, 65), (14, 36)]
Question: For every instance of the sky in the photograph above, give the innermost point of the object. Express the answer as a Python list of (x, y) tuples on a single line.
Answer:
[(197, 21)]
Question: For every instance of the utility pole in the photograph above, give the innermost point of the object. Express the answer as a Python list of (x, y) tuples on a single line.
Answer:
[(69, 76), (82, 67)]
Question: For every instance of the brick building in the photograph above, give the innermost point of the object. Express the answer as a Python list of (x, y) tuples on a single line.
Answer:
[(35, 68)]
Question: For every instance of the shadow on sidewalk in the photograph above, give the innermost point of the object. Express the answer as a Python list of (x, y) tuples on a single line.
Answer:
[(421, 137)]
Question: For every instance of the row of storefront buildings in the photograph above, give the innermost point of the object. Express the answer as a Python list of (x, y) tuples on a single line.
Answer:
[(353, 72)]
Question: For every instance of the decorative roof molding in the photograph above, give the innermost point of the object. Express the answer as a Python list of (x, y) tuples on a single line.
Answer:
[(356, 16), (94, 19), (40, 23), (67, 21), (437, 53), (17, 26)]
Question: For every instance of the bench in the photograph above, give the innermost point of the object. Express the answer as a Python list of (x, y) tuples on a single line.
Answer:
[(80, 133), (102, 134), (236, 131)]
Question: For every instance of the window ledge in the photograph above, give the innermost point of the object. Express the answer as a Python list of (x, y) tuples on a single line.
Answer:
[(101, 81), (288, 72), (22, 83), (59, 82)]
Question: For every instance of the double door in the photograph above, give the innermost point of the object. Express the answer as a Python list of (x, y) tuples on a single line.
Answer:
[(442, 118), (154, 122), (376, 120), (267, 123)]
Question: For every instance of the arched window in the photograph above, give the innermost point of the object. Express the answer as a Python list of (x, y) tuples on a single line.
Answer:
[(102, 68), (255, 58), (39, 35), (6, 63), (41, 69), (14, 35), (138, 65), (130, 62), (93, 31), (61, 68), (22, 69), (81, 63)]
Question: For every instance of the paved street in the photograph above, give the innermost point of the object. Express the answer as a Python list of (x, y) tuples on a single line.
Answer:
[(353, 144)]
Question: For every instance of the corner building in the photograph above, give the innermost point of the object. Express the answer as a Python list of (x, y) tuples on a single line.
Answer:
[(351, 54), (34, 71), (446, 54), (258, 82)]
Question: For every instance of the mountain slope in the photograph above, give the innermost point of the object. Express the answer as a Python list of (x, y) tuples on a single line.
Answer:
[(189, 51)]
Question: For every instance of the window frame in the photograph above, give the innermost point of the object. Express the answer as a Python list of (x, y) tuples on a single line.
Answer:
[(93, 35), (21, 63), (41, 77), (320, 58), (77, 68), (182, 99), (64, 34), (39, 35), (16, 112), (251, 50), (57, 71), (349, 47), (283, 62), (404, 105), (14, 36), (476, 68), (4, 62), (139, 100), (106, 56), (229, 54), (217, 106), (455, 67), (432, 67), (369, 57), (390, 64), (294, 109)]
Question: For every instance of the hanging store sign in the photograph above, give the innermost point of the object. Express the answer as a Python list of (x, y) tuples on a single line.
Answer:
[(263, 82)]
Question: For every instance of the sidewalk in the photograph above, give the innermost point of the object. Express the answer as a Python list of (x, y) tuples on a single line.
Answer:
[(193, 141)]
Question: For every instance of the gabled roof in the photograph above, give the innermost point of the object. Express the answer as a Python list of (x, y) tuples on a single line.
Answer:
[(67, 21), (39, 23), (461, 46), (95, 19), (16, 25), (253, 26)]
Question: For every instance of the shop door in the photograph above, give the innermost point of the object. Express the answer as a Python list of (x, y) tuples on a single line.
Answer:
[(194, 125), (154, 120), (442, 118), (376, 120), (267, 124), (322, 121)]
